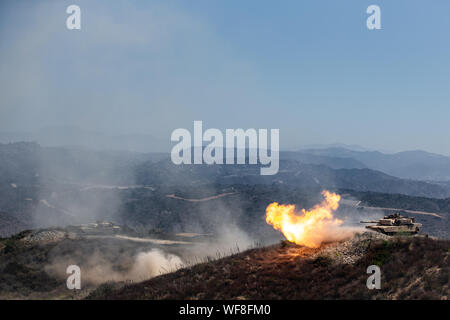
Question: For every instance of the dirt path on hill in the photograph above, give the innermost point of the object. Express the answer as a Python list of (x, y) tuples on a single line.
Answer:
[(173, 196)]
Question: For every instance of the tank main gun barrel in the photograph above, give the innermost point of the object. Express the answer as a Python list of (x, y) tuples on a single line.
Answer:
[(371, 221)]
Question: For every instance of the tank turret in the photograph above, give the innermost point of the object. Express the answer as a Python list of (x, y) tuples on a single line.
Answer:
[(394, 224)]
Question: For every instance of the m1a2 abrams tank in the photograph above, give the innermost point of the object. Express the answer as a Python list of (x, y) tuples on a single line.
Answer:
[(395, 224)]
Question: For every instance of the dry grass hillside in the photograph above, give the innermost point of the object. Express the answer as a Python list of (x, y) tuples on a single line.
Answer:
[(412, 268)]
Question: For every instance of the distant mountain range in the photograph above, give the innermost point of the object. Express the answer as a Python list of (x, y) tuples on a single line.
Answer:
[(29, 163), (418, 165), (353, 147), (292, 172)]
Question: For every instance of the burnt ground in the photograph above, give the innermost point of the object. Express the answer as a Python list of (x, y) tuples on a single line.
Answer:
[(411, 268)]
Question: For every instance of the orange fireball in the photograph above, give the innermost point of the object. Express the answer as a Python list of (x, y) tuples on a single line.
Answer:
[(308, 228)]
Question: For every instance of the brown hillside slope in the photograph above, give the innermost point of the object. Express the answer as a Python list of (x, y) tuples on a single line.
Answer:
[(412, 268)]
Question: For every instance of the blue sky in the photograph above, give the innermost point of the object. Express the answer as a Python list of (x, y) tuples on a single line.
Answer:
[(310, 68)]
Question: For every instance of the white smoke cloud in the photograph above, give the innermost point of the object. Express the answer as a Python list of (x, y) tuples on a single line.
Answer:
[(152, 263), (98, 268)]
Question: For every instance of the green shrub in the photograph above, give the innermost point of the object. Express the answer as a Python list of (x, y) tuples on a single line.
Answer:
[(10, 246)]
